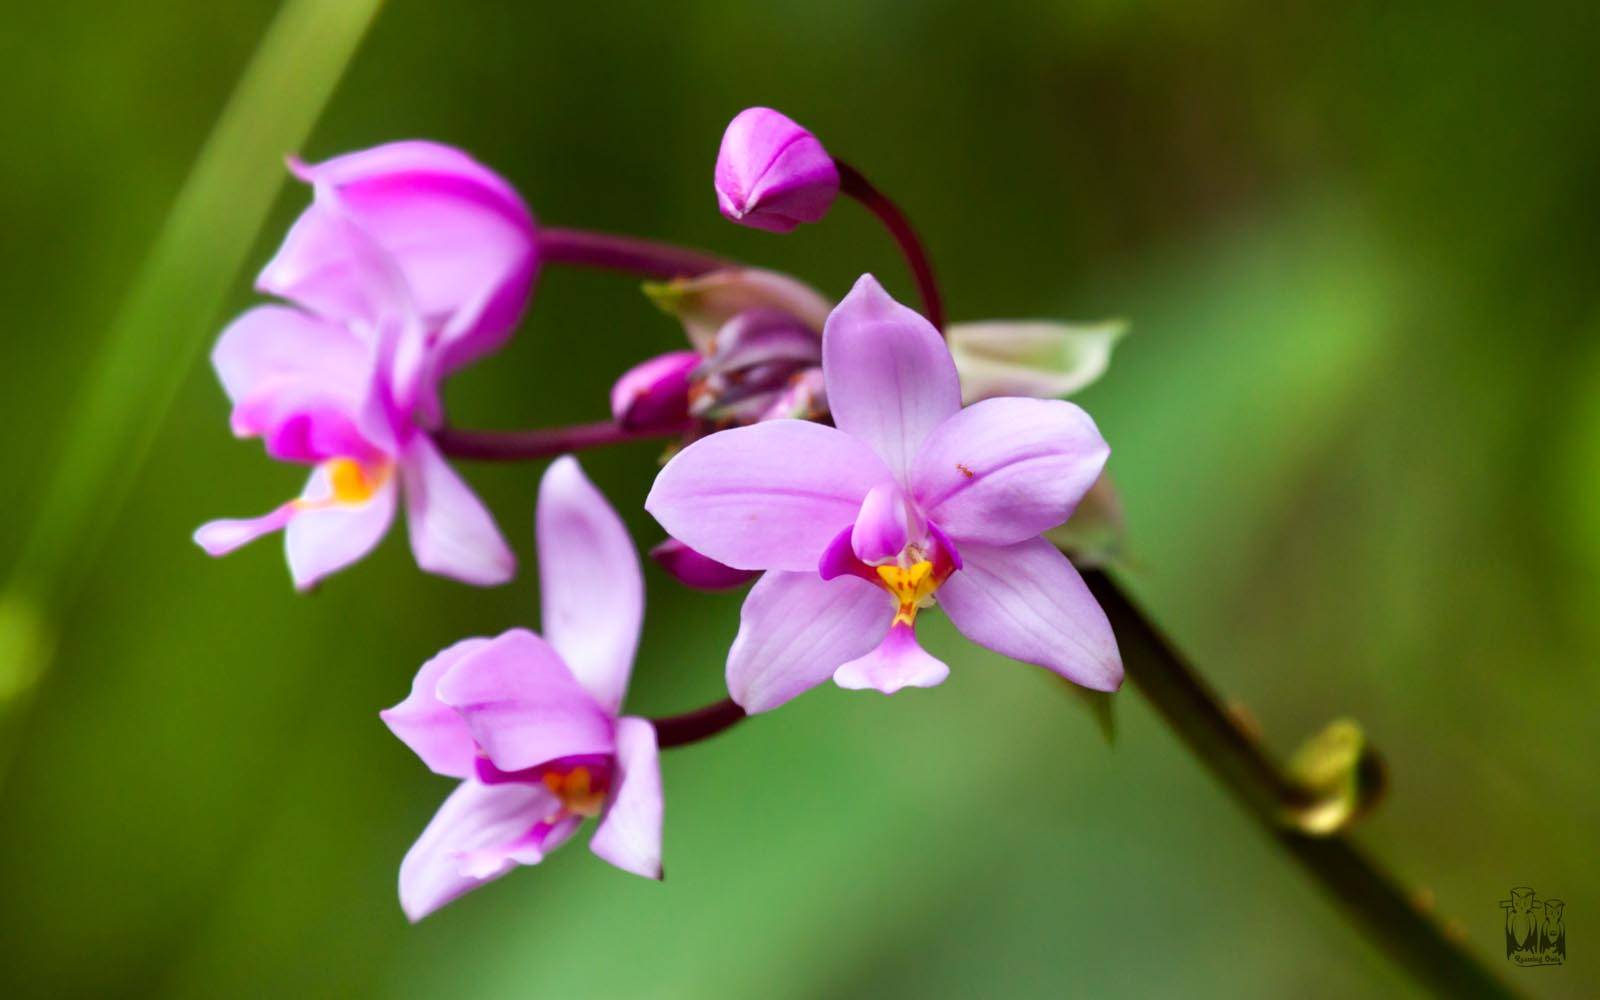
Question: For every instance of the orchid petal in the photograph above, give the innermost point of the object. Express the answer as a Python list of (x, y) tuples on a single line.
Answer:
[(630, 831), (332, 266), (796, 629), (883, 527), (763, 337), (452, 534), (1026, 601), (896, 662), (218, 538), (769, 496), (522, 705), (1004, 470), (890, 380), (458, 233), (479, 833), (326, 535), (590, 586), (432, 729), (296, 381)]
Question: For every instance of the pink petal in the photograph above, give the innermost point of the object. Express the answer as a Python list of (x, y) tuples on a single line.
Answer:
[(895, 663), (322, 540), (1026, 601), (763, 336), (769, 496), (654, 394), (796, 629), (432, 729), (883, 525), (890, 380), (1004, 470), (590, 587), (451, 532), (479, 833), (630, 831), (772, 174), (460, 235), (218, 538), (522, 705), (332, 266), (701, 572), (296, 381)]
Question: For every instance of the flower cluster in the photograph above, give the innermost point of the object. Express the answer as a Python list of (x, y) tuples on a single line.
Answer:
[(411, 262), (857, 461)]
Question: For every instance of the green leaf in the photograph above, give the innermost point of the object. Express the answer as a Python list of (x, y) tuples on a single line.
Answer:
[(165, 322)]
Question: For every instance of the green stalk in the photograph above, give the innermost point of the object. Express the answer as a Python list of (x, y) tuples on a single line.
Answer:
[(162, 327), (1382, 909)]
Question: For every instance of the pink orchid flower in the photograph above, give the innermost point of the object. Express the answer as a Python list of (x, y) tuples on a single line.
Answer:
[(412, 261), (907, 499), (531, 724)]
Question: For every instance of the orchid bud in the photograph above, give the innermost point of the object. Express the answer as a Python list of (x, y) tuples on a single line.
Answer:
[(772, 174), (654, 395), (692, 569), (748, 369), (1045, 360), (705, 304)]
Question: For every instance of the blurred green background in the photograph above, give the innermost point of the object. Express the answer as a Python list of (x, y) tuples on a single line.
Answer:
[(1357, 426)]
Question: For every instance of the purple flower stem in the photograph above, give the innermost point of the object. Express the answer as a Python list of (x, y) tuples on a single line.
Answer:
[(1382, 909), (854, 184), (629, 254), (700, 724), (546, 442)]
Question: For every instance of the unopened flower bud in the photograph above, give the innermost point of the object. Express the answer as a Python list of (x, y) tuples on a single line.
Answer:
[(692, 569), (772, 174), (654, 394)]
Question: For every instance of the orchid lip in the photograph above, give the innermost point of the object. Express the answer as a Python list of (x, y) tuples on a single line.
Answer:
[(352, 483), (581, 782), (912, 577)]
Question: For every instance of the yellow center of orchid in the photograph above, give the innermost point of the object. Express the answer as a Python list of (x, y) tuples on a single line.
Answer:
[(912, 586), (577, 790), (352, 484)]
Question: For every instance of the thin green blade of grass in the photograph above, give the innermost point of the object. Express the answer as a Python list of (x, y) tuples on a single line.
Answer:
[(163, 325)]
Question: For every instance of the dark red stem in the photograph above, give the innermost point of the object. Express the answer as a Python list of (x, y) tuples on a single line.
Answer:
[(852, 183), (546, 442), (630, 254), (700, 724)]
